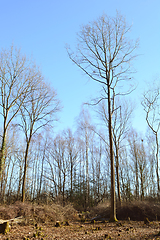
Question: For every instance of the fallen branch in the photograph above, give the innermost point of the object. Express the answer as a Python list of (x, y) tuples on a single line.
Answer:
[(13, 220)]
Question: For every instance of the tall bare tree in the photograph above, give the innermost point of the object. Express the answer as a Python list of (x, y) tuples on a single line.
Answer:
[(151, 105), (105, 53), (16, 75), (39, 111)]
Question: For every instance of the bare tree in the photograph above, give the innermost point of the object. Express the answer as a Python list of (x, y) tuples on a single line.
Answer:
[(85, 128), (16, 75), (120, 126), (151, 148), (105, 53), (38, 112), (58, 166), (134, 142), (140, 159), (72, 153), (151, 104)]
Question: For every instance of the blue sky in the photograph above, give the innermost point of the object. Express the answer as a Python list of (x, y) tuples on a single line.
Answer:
[(41, 28)]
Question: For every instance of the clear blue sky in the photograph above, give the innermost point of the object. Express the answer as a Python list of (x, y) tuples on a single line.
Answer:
[(42, 28)]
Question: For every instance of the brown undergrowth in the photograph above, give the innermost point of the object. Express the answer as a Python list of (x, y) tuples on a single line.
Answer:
[(136, 211), (40, 213), (41, 219)]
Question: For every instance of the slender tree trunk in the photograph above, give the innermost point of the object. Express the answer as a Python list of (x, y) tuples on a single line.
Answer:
[(113, 197), (59, 177), (137, 181), (142, 183), (42, 169), (35, 179), (64, 182), (71, 161), (136, 170), (157, 164), (118, 183), (80, 174), (87, 174), (2, 151), (19, 182), (93, 177), (5, 177), (99, 171), (25, 171), (10, 183), (123, 185)]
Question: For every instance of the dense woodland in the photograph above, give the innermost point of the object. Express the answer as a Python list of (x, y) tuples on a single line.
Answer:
[(38, 165)]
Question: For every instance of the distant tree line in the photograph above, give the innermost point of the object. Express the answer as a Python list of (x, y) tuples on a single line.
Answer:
[(75, 166)]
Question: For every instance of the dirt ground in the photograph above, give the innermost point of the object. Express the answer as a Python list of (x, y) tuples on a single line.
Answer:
[(76, 230)]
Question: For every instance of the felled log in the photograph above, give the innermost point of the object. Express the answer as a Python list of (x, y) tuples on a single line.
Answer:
[(13, 220)]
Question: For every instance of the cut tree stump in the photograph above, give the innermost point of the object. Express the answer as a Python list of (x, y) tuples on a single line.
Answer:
[(4, 224), (4, 227)]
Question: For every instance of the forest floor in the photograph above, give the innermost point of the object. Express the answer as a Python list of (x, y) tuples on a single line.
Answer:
[(120, 230), (138, 220)]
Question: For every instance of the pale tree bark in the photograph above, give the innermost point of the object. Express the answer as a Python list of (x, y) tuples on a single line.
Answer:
[(81, 160), (16, 74), (104, 53), (118, 181), (4, 181), (93, 171)]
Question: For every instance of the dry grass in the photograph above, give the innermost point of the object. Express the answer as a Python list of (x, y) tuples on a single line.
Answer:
[(136, 211), (44, 217), (39, 213)]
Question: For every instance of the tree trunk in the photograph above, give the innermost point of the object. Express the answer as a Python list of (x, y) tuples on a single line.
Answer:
[(137, 181), (25, 172), (71, 193), (113, 197), (87, 174), (2, 151), (64, 182), (19, 182), (42, 169), (157, 164), (118, 183)]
